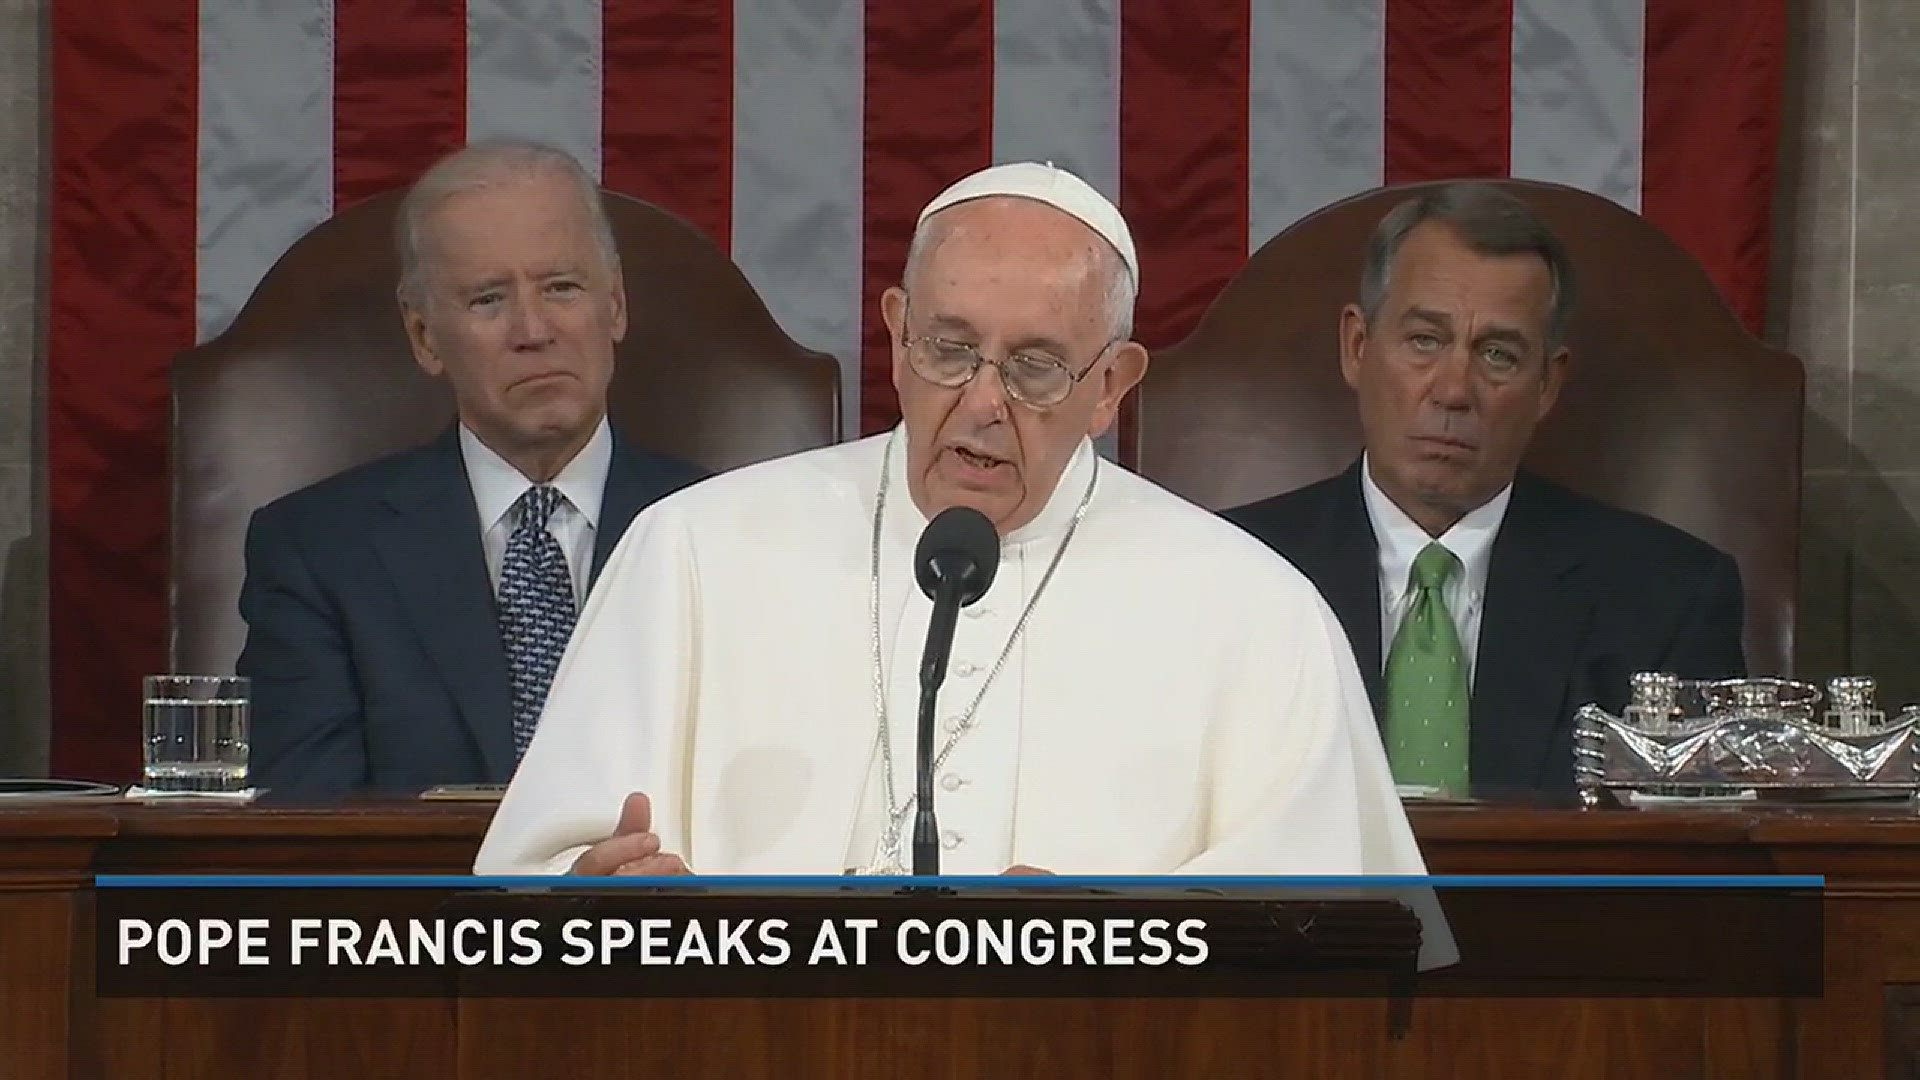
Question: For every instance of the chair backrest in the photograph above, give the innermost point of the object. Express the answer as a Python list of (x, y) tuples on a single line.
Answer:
[(315, 376), (1672, 409)]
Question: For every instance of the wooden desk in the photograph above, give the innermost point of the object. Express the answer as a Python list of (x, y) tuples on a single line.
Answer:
[(52, 1026)]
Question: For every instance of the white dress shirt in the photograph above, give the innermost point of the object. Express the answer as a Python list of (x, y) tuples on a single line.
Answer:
[(497, 486), (1401, 540)]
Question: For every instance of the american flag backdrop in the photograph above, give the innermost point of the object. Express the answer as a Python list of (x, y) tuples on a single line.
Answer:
[(194, 141)]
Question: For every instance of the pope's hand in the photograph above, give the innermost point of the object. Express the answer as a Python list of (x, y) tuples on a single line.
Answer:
[(633, 848)]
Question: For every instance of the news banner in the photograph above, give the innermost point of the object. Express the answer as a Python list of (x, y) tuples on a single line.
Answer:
[(443, 936)]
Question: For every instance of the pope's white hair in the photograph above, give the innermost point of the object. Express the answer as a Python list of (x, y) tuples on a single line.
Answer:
[(485, 164), (1122, 291)]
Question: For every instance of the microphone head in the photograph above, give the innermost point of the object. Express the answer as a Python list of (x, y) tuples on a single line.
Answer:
[(960, 543)]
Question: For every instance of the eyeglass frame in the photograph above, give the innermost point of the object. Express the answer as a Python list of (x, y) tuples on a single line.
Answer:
[(980, 358)]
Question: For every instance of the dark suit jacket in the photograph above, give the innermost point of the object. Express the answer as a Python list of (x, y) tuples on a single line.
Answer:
[(371, 636), (1579, 597)]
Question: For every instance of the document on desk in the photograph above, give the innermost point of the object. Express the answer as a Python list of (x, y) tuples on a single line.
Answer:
[(36, 788), (464, 793)]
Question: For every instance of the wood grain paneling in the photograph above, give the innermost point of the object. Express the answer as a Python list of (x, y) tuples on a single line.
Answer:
[(35, 987), (938, 1040), (1902, 1019), (279, 1038)]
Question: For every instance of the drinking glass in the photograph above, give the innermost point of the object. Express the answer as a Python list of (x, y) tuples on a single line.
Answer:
[(196, 733)]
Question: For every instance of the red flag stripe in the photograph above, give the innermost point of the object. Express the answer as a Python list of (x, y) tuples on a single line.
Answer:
[(928, 121), (124, 176), (399, 91), (1449, 96), (666, 114), (1183, 155), (1711, 128), (120, 304)]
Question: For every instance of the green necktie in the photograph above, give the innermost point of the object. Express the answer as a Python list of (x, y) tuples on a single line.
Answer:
[(1427, 695)]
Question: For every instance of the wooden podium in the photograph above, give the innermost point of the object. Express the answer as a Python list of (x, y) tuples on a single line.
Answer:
[(52, 1024)]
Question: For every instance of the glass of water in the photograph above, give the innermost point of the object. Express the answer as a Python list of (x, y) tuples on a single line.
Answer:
[(196, 733)]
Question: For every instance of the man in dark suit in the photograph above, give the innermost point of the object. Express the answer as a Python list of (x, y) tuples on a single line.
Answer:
[(405, 618), (1485, 605)]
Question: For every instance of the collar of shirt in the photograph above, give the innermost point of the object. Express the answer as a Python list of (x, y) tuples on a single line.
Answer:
[(1052, 520), (1401, 540), (497, 485)]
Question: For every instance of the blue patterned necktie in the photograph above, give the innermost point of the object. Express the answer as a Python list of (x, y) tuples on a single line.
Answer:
[(536, 609)]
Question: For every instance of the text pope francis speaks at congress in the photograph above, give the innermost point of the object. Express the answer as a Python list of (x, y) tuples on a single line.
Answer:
[(1144, 689)]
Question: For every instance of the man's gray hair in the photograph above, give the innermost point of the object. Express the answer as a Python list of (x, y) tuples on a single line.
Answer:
[(1122, 290), (1487, 220), (485, 164)]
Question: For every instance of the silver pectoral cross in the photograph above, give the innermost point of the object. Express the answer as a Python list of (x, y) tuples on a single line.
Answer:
[(886, 853)]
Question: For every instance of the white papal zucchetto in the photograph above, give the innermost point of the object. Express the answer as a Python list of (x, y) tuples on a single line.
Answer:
[(1048, 184)]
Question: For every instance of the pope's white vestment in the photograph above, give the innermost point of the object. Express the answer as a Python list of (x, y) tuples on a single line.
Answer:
[(1180, 700)]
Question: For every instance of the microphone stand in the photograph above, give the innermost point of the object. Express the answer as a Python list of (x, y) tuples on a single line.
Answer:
[(933, 672)]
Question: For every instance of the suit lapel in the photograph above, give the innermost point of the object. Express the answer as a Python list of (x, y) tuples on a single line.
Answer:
[(629, 489), (632, 485), (1535, 617), (623, 498), (1348, 574), (430, 546)]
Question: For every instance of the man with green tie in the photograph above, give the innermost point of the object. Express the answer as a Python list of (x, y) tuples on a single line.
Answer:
[(1485, 605)]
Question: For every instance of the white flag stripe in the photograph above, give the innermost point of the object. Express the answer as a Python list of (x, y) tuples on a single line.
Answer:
[(1316, 127), (1578, 73), (533, 71), (1316, 109), (265, 144), (1056, 86), (798, 91), (1056, 96)]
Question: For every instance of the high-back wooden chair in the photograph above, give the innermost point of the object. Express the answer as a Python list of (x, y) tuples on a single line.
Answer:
[(1672, 409), (315, 376)]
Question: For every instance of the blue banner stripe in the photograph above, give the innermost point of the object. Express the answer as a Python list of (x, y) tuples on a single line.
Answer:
[(1444, 881)]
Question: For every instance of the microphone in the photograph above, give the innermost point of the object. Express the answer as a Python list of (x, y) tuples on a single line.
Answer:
[(954, 563)]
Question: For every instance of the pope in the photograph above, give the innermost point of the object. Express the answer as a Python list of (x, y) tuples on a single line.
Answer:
[(1145, 689)]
